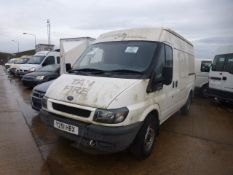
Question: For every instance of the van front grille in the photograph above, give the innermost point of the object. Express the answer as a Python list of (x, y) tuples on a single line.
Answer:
[(71, 110)]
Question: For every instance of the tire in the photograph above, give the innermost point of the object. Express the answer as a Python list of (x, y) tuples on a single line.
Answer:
[(144, 142), (186, 108), (204, 91)]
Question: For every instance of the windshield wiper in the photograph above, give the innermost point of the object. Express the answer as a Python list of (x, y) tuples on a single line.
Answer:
[(88, 70), (126, 71)]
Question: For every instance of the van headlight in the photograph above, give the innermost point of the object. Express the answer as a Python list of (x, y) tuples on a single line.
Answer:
[(40, 77), (111, 116), (44, 101)]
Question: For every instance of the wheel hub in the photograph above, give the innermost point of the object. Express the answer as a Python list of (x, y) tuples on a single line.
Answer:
[(149, 138)]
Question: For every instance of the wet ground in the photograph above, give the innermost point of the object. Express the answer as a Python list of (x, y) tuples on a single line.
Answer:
[(199, 143)]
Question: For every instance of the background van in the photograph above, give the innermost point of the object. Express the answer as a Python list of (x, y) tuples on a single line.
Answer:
[(40, 59), (202, 69), (221, 77)]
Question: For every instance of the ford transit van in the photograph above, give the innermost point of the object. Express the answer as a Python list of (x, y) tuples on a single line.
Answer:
[(121, 89), (202, 69)]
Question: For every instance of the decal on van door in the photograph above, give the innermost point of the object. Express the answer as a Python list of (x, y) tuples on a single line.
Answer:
[(79, 87)]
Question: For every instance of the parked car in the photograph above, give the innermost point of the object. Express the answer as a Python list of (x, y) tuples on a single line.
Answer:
[(40, 59), (221, 77), (202, 69), (18, 63), (121, 89), (44, 74), (10, 63), (38, 93)]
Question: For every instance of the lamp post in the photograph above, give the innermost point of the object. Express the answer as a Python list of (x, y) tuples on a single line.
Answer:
[(48, 31), (31, 35), (17, 43)]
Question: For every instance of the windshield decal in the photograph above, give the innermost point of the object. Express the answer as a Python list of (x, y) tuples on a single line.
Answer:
[(131, 49), (79, 87)]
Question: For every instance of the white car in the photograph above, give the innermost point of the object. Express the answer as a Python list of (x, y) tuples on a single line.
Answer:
[(20, 61), (221, 77), (10, 63), (121, 89), (202, 69)]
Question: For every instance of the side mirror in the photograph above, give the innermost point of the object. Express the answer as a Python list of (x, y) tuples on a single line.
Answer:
[(68, 67), (154, 84), (167, 75)]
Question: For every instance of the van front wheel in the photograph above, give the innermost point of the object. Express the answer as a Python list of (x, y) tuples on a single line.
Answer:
[(186, 108), (145, 139)]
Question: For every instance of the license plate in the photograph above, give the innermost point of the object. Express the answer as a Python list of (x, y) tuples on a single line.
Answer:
[(65, 127)]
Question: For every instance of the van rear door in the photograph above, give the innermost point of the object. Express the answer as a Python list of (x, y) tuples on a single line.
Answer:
[(227, 75), (216, 74)]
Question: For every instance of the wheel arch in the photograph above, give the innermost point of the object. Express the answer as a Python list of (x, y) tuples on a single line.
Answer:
[(153, 112)]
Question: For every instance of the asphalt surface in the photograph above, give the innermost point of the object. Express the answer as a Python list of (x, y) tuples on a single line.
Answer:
[(195, 144)]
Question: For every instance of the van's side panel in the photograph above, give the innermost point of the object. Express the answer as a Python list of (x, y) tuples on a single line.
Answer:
[(183, 69)]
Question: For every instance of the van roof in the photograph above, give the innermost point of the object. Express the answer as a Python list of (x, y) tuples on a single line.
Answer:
[(151, 34), (44, 53), (158, 34)]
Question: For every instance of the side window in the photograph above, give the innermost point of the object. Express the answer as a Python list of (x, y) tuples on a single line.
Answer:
[(169, 56), (205, 66), (164, 65), (49, 60), (218, 63), (58, 60), (160, 65), (229, 64)]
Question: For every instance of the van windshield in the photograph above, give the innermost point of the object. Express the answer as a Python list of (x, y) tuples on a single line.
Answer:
[(121, 56), (36, 59)]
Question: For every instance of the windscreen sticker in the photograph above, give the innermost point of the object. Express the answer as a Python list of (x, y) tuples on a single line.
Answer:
[(131, 49)]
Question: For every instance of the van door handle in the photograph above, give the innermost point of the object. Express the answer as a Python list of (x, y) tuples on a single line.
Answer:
[(173, 84), (224, 78)]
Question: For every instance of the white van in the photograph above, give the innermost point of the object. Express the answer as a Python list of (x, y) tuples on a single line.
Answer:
[(221, 77), (202, 69), (121, 89), (40, 59)]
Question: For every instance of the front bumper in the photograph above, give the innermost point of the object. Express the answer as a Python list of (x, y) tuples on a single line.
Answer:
[(106, 139), (224, 95)]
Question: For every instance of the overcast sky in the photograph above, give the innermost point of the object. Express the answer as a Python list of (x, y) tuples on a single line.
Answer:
[(206, 23)]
